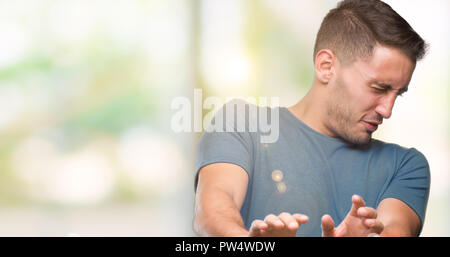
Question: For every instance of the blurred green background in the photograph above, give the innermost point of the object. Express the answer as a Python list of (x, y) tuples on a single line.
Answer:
[(86, 146)]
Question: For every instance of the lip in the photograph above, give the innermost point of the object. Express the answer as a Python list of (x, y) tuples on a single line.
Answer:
[(371, 126)]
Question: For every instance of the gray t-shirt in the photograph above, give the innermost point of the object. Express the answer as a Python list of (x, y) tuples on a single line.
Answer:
[(307, 172)]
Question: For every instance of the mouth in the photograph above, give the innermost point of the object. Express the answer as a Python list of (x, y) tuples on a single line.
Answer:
[(371, 126)]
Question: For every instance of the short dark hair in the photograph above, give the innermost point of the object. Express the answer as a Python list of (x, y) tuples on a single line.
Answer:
[(354, 27)]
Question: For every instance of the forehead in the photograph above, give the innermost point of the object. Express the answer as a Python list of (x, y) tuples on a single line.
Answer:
[(386, 65)]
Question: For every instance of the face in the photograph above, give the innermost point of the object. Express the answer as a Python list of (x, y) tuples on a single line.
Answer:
[(363, 93)]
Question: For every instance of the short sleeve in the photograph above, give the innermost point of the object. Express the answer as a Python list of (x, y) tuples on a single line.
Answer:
[(411, 183), (224, 146)]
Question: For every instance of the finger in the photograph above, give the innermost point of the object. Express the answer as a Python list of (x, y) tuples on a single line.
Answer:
[(367, 212), (257, 227), (327, 226), (357, 203), (274, 222), (259, 224), (289, 221), (374, 225), (301, 218)]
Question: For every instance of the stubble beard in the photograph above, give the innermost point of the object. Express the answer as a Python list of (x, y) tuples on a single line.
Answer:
[(339, 121)]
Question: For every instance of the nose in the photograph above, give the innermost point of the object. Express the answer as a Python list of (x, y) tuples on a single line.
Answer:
[(386, 105)]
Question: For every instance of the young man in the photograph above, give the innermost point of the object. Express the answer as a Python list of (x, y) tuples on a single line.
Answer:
[(325, 175)]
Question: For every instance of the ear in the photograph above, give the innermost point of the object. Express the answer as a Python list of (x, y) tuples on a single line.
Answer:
[(325, 64)]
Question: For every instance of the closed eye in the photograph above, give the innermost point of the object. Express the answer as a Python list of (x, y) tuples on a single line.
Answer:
[(383, 88), (379, 90)]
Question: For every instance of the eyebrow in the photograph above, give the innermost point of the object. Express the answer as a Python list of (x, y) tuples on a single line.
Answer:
[(389, 87)]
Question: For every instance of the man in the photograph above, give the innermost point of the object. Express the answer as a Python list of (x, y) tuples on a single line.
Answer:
[(325, 175)]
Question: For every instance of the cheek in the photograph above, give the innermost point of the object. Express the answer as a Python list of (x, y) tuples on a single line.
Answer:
[(354, 97), (364, 101), (365, 104)]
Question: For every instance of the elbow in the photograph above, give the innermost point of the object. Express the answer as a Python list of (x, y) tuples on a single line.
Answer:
[(197, 226), (200, 226), (199, 222)]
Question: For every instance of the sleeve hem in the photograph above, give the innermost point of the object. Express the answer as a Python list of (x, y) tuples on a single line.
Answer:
[(199, 167)]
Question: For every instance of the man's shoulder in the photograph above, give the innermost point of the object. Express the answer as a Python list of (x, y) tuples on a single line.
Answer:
[(247, 119), (379, 144), (401, 152)]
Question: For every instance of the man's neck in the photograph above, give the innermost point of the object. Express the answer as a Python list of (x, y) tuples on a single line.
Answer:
[(310, 109)]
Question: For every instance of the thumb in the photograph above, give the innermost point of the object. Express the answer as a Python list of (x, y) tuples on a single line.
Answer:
[(328, 226)]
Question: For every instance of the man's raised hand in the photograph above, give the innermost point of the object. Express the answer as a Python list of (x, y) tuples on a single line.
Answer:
[(283, 225), (360, 221)]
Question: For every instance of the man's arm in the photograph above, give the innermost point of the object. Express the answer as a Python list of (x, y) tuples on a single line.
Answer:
[(398, 218), (221, 191), (220, 194)]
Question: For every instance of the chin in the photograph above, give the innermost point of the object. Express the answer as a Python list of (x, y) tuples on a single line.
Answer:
[(358, 139), (363, 140), (353, 136)]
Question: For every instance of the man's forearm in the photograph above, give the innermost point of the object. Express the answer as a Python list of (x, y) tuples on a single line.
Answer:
[(219, 225), (217, 215), (397, 230)]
